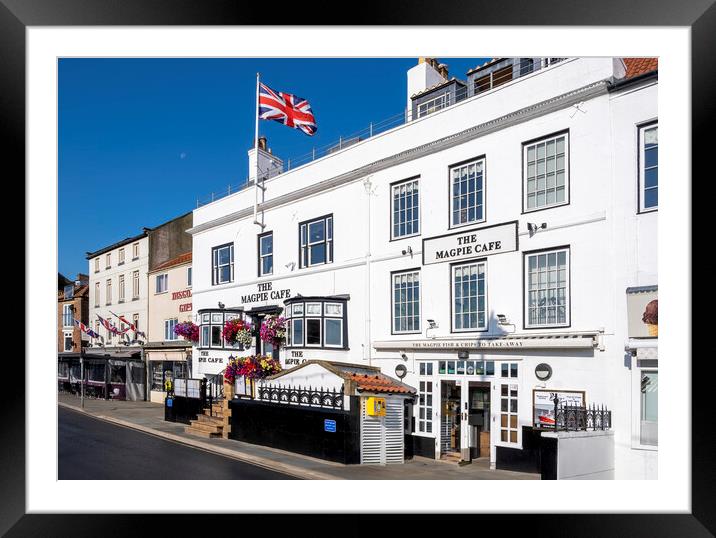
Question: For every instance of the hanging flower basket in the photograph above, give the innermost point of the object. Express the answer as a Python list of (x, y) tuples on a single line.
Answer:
[(273, 330), (188, 330), (252, 367), (237, 331)]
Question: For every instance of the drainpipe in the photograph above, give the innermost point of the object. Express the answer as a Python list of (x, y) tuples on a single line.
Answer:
[(369, 190)]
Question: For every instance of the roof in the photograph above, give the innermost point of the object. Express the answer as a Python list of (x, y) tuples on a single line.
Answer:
[(118, 244), (179, 260), (79, 290), (640, 66), (482, 66), (366, 378), (437, 86)]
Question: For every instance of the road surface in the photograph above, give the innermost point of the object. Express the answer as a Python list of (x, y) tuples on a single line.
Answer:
[(92, 449)]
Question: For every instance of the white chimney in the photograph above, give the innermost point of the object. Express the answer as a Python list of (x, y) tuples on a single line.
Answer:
[(422, 76), (269, 164)]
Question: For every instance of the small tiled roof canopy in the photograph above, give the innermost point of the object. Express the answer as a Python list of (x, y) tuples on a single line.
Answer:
[(640, 66), (357, 376)]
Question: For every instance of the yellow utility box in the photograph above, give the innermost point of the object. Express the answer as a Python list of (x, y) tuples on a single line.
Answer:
[(375, 406)]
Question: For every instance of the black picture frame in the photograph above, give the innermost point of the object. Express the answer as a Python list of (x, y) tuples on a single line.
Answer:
[(698, 15)]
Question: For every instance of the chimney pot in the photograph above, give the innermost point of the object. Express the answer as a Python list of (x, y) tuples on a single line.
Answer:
[(262, 143)]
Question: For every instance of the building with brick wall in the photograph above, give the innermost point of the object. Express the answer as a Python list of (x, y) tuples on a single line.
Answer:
[(72, 304)]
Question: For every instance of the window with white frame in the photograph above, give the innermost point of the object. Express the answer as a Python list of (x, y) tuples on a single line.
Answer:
[(96, 294), (135, 285), (223, 264), (121, 288), (469, 297), (649, 167), (67, 319), (547, 288), (649, 408), (108, 291), (318, 322), (120, 256), (108, 260), (266, 254), (406, 302), (438, 103), (467, 190), (135, 251), (188, 276), (546, 172), (169, 325), (508, 413), (96, 265), (68, 341), (316, 240), (162, 283), (405, 209), (425, 405), (211, 326), (508, 369)]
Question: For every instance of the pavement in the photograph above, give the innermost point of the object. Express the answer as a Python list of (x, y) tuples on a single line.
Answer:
[(148, 417)]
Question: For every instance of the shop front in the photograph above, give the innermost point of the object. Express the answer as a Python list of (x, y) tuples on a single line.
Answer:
[(165, 363), (476, 397), (108, 375)]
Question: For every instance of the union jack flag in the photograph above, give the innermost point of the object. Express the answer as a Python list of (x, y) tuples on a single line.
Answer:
[(86, 329), (108, 325), (286, 108), (129, 323)]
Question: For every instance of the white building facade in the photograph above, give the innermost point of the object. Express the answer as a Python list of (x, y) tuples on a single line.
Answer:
[(478, 245), (118, 287)]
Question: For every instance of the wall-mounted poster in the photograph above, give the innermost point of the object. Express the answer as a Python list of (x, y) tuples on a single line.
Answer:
[(543, 404), (643, 312)]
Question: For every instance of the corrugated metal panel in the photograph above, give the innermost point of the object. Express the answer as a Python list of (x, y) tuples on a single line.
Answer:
[(372, 438), (394, 435)]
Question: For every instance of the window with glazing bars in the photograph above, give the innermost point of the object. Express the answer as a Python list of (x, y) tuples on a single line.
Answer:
[(223, 264), (469, 297), (406, 302), (649, 167), (546, 172), (467, 192), (316, 239), (547, 288), (406, 209)]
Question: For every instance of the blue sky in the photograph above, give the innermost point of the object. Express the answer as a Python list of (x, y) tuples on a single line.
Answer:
[(141, 139)]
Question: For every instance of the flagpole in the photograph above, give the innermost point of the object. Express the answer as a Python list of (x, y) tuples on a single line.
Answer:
[(256, 154)]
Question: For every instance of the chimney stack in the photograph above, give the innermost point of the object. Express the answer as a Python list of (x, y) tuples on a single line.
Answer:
[(262, 143), (427, 73), (443, 70)]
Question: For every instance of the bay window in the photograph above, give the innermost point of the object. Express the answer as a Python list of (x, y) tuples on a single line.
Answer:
[(317, 322)]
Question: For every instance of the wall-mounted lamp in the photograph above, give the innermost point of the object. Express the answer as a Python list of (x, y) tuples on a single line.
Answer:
[(404, 357), (408, 250), (502, 319), (532, 228), (432, 324), (291, 266)]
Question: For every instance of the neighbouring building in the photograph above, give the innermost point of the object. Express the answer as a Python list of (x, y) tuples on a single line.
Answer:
[(486, 252), (168, 355), (169, 302), (72, 304)]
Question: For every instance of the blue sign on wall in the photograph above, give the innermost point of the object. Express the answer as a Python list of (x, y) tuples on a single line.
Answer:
[(329, 425)]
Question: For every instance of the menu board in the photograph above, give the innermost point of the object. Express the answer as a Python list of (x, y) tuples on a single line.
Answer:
[(543, 404)]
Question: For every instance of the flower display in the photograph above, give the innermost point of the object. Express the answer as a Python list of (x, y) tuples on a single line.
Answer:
[(252, 367), (238, 331), (273, 330), (188, 330)]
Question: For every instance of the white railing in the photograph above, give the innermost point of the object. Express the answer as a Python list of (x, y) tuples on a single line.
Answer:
[(490, 81)]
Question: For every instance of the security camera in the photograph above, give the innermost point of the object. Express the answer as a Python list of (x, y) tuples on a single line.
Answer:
[(404, 356), (408, 250), (432, 324), (221, 305)]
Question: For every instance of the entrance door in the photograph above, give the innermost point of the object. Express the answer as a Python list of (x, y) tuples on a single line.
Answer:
[(479, 419), (263, 348), (450, 418)]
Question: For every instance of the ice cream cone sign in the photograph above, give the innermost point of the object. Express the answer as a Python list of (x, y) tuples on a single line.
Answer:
[(651, 317)]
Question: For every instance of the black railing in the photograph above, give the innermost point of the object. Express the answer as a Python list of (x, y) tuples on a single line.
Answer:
[(307, 396), (578, 418)]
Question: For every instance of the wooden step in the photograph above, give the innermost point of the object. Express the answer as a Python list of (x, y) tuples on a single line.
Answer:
[(200, 433), (214, 413)]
